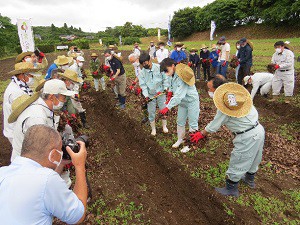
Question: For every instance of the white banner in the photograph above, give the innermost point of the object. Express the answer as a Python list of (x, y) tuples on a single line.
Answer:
[(212, 30), (158, 34), (25, 35)]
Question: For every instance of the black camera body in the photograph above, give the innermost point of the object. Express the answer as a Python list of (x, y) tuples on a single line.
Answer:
[(70, 141)]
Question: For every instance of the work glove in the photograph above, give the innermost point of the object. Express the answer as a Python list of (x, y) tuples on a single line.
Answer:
[(211, 60), (276, 67), (41, 55), (112, 79), (195, 137), (138, 91), (190, 64), (203, 60), (95, 73), (224, 63), (147, 99), (133, 83), (164, 111), (158, 93), (169, 96), (131, 87)]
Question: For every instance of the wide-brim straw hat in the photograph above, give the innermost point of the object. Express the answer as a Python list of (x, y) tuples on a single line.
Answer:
[(113, 47), (71, 75), (73, 55), (94, 54), (23, 67), (193, 50), (185, 73), (40, 85), (250, 43), (213, 46), (179, 44), (20, 57), (63, 60), (203, 46), (20, 104), (233, 100)]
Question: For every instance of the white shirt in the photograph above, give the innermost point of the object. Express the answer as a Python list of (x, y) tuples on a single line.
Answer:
[(76, 68), (285, 60), (259, 79), (137, 68), (224, 48), (12, 92), (162, 54), (37, 113), (137, 52), (34, 195)]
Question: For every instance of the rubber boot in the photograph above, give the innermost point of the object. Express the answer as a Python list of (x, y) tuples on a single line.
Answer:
[(231, 189), (164, 125), (153, 132), (185, 149), (102, 83), (274, 98), (122, 102), (248, 179), (180, 136), (287, 99), (83, 120)]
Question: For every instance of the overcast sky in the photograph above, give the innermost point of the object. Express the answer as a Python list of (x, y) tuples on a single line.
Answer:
[(95, 15)]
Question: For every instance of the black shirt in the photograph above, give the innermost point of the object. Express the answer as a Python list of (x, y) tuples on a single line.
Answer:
[(115, 64)]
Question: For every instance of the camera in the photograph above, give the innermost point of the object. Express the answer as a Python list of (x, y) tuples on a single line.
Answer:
[(68, 140)]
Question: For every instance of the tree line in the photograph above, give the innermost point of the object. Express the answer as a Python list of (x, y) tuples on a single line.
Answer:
[(229, 13)]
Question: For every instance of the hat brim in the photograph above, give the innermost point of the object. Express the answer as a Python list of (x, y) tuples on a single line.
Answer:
[(289, 47), (15, 72), (22, 55), (70, 59), (180, 72), (20, 108), (68, 93), (78, 79), (40, 85), (234, 87)]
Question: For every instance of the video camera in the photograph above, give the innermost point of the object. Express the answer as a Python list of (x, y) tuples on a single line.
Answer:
[(68, 140)]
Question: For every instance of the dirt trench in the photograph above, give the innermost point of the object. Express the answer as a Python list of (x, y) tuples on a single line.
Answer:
[(172, 196)]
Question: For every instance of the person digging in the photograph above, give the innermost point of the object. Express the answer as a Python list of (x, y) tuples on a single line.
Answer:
[(235, 110)]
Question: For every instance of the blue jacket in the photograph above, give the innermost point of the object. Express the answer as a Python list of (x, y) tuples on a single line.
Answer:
[(178, 56), (214, 56), (48, 74)]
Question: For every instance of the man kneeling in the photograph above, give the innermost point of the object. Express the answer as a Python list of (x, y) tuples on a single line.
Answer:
[(31, 192)]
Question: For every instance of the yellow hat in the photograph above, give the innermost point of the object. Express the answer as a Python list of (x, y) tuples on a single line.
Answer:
[(63, 60), (203, 46), (20, 104), (73, 55), (71, 75), (94, 54), (23, 67), (185, 73), (20, 57), (213, 46), (40, 85), (233, 100)]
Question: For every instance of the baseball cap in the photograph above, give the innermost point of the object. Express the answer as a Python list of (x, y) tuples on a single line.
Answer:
[(222, 39), (80, 58), (243, 40), (246, 78), (56, 87)]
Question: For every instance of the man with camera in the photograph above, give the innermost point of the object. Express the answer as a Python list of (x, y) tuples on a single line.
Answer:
[(31, 192)]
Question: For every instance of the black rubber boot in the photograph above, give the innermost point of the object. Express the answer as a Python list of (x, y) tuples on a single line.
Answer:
[(83, 120), (231, 189), (248, 179)]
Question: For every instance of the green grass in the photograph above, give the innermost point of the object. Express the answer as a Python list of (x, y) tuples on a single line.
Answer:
[(288, 130), (3, 86), (117, 211)]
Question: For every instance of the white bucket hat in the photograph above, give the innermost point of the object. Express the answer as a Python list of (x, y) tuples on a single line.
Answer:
[(80, 58), (56, 87)]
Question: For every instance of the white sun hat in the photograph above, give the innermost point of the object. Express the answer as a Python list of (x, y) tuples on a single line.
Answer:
[(56, 87)]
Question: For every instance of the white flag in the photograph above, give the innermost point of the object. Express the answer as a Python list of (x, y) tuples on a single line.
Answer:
[(158, 34), (25, 35), (212, 30)]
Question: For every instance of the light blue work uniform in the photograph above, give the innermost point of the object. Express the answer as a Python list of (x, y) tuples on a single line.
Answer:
[(152, 81), (32, 194), (187, 99), (248, 147)]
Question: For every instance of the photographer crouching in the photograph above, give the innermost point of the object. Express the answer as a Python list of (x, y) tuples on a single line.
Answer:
[(31, 192)]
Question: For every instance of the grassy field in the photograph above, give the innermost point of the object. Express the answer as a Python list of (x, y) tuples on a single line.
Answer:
[(263, 50)]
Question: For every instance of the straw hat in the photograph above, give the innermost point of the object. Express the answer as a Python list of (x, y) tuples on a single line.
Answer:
[(203, 46), (288, 46), (71, 75), (179, 44), (73, 55), (20, 57), (23, 67), (194, 50), (185, 73), (20, 104), (112, 47), (214, 46), (63, 60), (233, 100), (40, 85), (94, 54)]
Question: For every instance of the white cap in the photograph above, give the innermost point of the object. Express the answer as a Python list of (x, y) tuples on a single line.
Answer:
[(80, 58), (56, 87), (246, 78)]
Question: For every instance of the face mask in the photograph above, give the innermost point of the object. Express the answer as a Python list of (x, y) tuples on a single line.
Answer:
[(211, 94), (55, 162), (30, 82), (71, 86), (178, 49), (112, 52), (135, 64), (278, 50), (193, 53), (238, 47), (146, 67), (108, 58), (162, 47), (204, 50), (152, 45), (28, 60), (59, 106), (64, 67), (80, 64)]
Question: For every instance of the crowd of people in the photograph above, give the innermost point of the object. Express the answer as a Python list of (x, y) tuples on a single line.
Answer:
[(34, 107)]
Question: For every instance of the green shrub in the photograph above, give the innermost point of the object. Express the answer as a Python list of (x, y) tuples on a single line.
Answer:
[(130, 40), (110, 41), (46, 48), (18, 49)]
